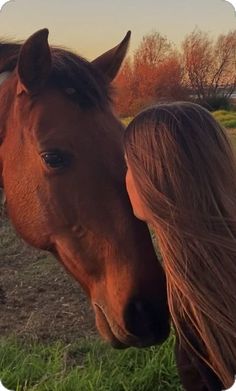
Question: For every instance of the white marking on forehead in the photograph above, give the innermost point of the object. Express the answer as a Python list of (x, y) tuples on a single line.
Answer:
[(4, 76)]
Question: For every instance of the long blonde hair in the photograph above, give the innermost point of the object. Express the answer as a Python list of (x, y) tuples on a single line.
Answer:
[(185, 172)]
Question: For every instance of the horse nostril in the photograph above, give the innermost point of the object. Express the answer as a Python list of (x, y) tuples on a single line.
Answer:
[(141, 318)]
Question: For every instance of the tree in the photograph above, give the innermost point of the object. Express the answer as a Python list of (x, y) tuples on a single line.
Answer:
[(169, 83), (123, 97), (152, 53), (155, 74), (224, 73), (210, 67), (153, 49)]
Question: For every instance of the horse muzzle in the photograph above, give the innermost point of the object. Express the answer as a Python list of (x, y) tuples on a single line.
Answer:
[(142, 325)]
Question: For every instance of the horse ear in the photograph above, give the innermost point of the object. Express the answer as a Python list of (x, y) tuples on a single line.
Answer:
[(34, 62), (110, 62)]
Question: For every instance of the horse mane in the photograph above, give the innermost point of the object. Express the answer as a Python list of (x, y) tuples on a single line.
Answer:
[(8, 55), (89, 86)]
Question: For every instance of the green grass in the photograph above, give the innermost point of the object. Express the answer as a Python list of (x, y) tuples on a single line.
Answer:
[(87, 365), (226, 118), (127, 120)]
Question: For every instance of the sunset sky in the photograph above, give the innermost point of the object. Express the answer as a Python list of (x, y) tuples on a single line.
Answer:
[(91, 27)]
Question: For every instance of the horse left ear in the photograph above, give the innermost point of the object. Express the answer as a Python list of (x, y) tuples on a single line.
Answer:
[(110, 62), (34, 63)]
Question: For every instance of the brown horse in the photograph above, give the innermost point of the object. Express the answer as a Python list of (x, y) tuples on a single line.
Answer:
[(63, 173)]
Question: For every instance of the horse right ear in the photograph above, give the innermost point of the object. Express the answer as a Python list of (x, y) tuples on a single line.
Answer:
[(34, 63), (110, 62)]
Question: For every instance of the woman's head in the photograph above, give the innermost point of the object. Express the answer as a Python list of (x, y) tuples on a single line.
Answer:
[(182, 180), (180, 154)]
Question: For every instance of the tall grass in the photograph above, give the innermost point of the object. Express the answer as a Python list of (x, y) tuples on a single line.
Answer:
[(89, 365)]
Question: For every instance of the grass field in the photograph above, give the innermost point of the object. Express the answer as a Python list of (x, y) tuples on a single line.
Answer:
[(226, 118), (86, 364)]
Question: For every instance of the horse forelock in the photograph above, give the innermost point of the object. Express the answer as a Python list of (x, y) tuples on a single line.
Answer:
[(79, 79)]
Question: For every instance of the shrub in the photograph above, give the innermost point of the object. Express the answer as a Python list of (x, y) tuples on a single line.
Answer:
[(216, 103)]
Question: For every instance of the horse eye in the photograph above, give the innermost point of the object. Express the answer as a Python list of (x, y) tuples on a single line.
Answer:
[(55, 159)]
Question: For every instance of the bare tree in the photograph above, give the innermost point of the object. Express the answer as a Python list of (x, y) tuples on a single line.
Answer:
[(153, 49), (224, 71), (210, 67)]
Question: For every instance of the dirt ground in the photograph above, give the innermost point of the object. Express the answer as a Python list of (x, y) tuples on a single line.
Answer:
[(38, 299)]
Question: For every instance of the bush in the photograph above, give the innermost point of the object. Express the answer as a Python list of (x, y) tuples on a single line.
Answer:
[(216, 103)]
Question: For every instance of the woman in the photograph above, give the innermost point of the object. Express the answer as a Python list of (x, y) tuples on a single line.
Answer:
[(181, 180)]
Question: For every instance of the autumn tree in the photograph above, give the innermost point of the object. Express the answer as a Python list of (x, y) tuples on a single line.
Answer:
[(152, 70), (153, 49), (155, 74), (123, 96), (169, 83), (210, 66)]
